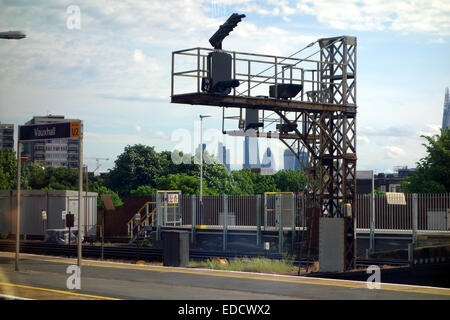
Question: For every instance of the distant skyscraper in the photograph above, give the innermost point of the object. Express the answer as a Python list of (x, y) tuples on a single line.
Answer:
[(446, 117), (291, 162), (251, 153), (197, 151), (268, 160), (198, 155), (6, 136), (223, 154)]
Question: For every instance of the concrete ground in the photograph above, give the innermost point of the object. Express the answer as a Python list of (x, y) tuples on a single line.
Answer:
[(43, 277)]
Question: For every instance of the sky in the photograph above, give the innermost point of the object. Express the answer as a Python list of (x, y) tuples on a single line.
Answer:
[(109, 64)]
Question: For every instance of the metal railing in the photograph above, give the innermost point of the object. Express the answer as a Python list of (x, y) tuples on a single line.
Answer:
[(140, 219), (430, 211), (257, 211), (255, 73)]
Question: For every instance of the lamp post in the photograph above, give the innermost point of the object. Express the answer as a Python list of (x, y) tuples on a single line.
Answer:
[(16, 35), (201, 164)]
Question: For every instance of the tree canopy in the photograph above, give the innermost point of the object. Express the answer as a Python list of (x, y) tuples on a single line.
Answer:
[(140, 170), (34, 175), (8, 169), (433, 171)]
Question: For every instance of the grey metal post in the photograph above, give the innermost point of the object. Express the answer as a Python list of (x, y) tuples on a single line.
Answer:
[(194, 216), (80, 190), (225, 221), (158, 216), (103, 233), (265, 211), (19, 168), (293, 214), (411, 253), (201, 162), (164, 219), (372, 217), (279, 210), (415, 219), (258, 220)]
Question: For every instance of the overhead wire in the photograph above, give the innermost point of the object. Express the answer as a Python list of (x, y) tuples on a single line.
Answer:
[(308, 46)]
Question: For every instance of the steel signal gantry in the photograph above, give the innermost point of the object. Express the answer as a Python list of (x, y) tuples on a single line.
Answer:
[(308, 103)]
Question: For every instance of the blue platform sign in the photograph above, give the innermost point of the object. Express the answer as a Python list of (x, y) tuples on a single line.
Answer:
[(61, 130)]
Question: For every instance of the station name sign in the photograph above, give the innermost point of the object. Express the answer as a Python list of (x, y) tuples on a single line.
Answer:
[(62, 130)]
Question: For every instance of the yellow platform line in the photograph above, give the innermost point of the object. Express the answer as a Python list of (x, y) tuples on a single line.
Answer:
[(5, 284), (256, 276)]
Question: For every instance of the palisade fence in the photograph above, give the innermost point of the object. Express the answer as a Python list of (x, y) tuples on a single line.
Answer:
[(433, 212), (243, 212), (247, 212)]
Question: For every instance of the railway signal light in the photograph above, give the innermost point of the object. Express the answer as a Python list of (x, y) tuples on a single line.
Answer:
[(225, 29)]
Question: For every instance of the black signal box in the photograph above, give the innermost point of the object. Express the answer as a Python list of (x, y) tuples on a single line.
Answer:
[(70, 220)]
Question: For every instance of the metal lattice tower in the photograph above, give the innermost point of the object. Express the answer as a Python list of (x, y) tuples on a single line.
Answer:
[(319, 119)]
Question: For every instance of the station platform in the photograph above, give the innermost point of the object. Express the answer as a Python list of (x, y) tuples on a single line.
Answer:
[(44, 277)]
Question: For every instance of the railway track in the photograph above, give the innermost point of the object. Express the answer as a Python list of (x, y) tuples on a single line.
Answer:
[(155, 254)]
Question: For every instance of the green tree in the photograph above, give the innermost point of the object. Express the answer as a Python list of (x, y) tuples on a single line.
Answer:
[(219, 179), (187, 184), (34, 176), (433, 171), (243, 181), (290, 180), (171, 167), (263, 183), (8, 169), (138, 165), (101, 189), (143, 191)]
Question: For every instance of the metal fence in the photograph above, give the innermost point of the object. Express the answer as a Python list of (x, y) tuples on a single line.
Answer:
[(432, 212)]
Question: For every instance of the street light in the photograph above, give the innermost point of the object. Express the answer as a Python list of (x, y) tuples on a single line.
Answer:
[(201, 164), (15, 35)]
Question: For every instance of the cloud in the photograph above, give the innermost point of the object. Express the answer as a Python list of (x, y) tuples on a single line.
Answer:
[(393, 152), (430, 130), (438, 40), (363, 139), (404, 16), (158, 139), (138, 56), (394, 131)]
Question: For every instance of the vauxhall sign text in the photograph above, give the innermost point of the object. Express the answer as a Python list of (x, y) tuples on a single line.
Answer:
[(49, 131)]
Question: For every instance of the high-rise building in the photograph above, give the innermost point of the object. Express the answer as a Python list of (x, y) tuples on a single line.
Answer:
[(251, 153), (223, 154), (268, 160), (291, 162), (197, 151), (446, 116), (53, 152), (6, 136)]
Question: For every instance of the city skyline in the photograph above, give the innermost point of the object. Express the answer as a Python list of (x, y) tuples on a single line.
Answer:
[(113, 72)]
